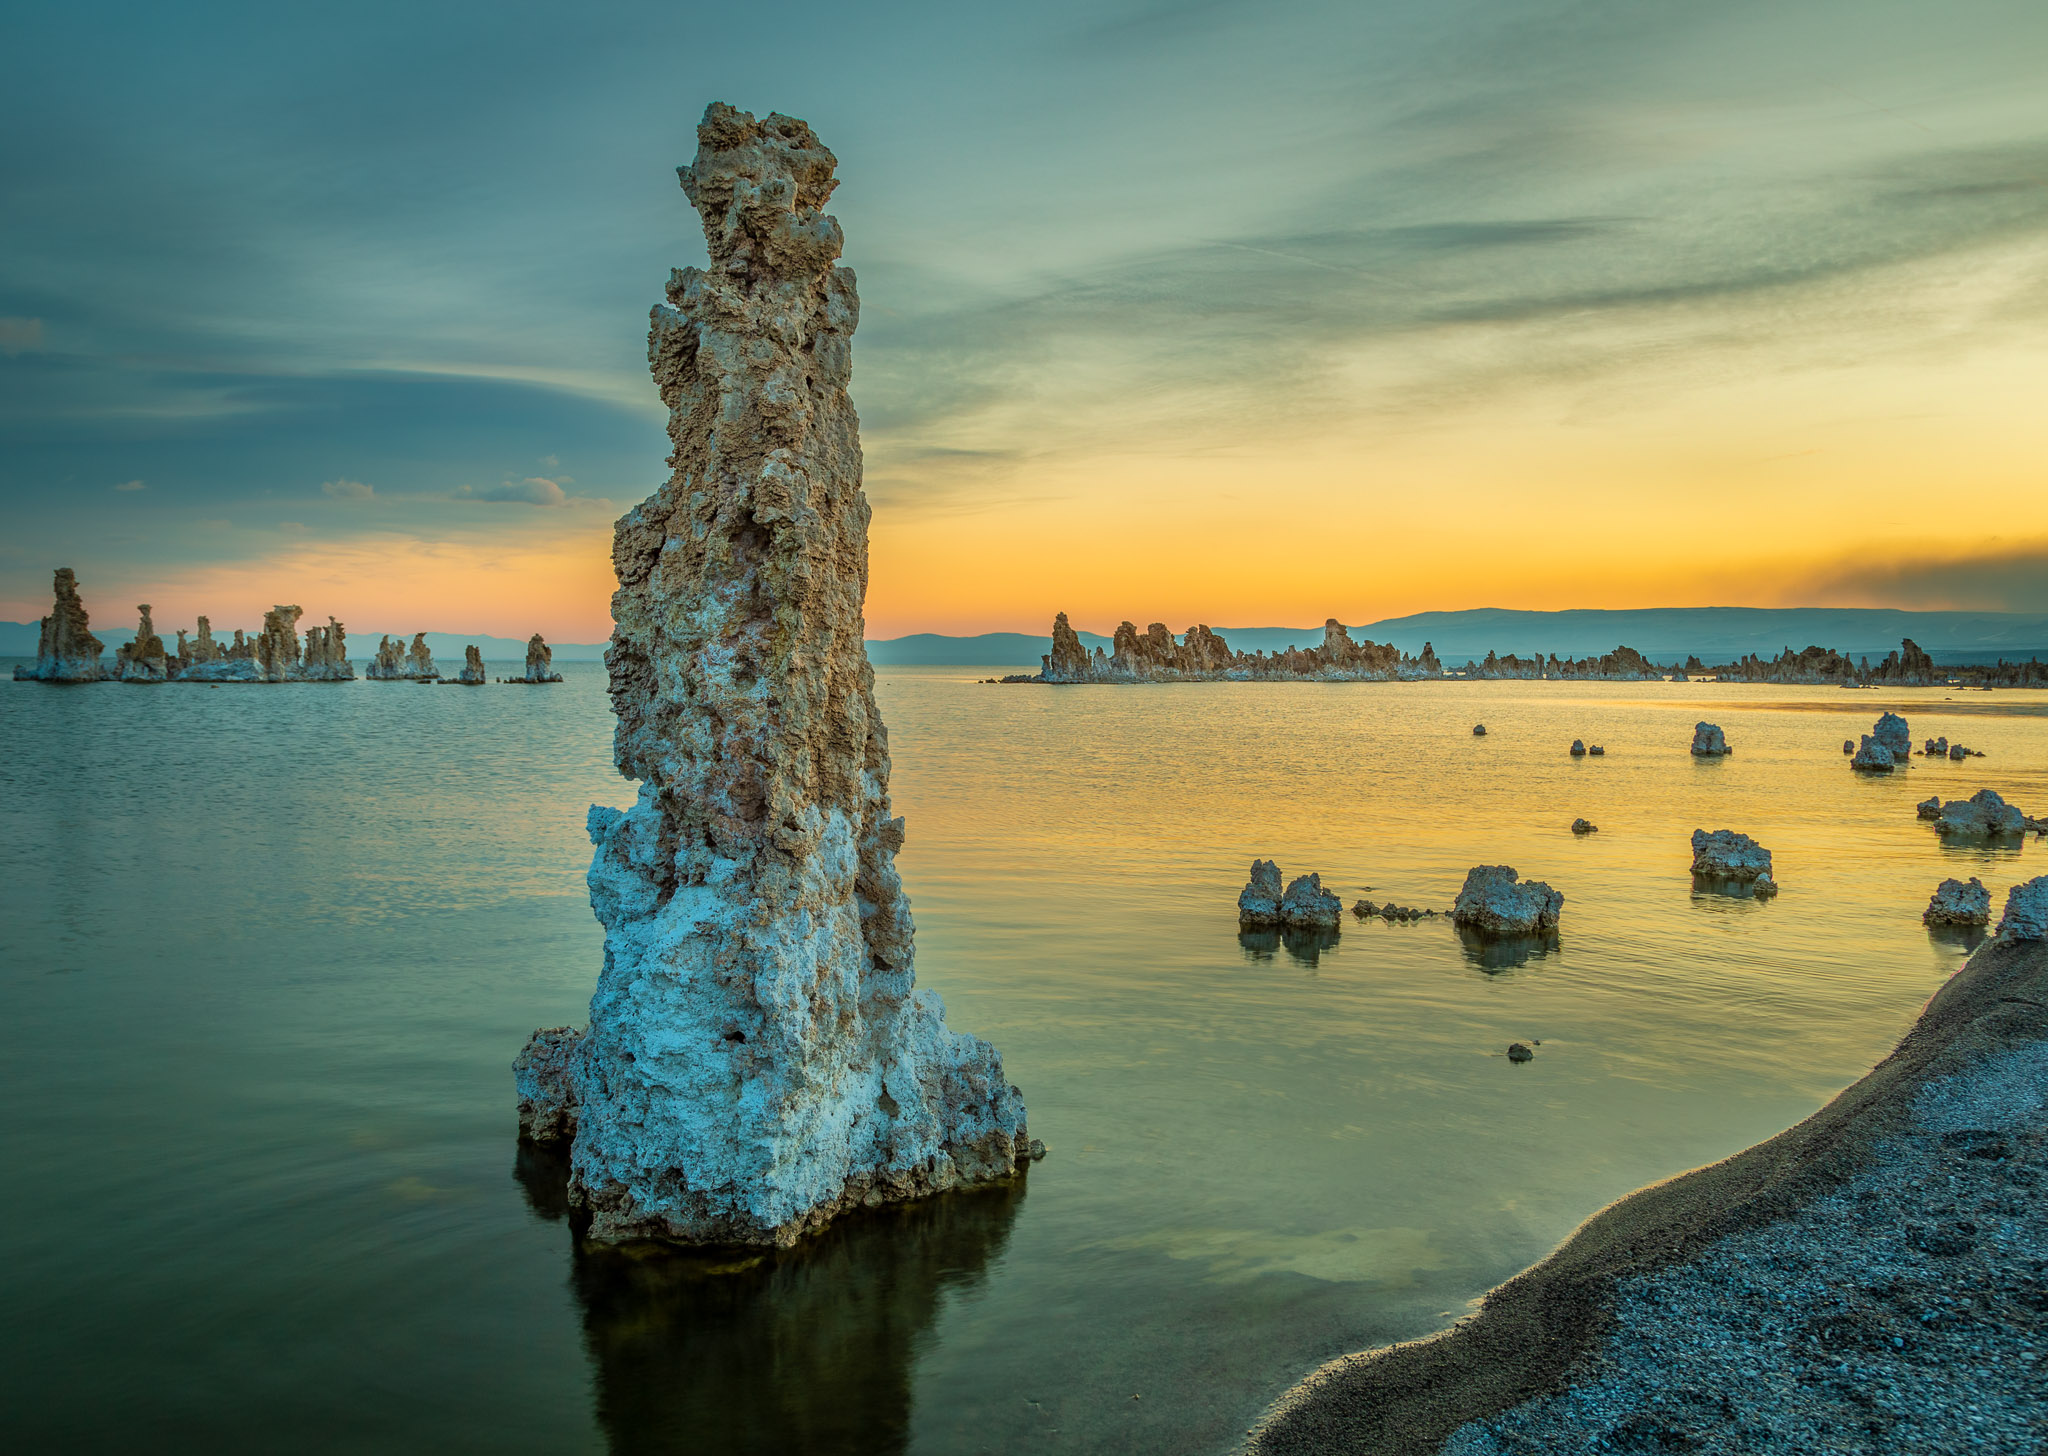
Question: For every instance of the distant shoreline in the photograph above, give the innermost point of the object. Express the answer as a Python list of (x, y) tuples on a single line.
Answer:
[(1540, 1333)]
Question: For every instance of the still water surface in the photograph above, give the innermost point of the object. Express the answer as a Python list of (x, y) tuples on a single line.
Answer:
[(266, 955)]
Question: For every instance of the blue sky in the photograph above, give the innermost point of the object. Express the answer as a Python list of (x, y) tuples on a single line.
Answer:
[(328, 287)]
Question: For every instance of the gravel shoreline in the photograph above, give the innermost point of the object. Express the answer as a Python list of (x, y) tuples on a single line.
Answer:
[(1875, 1279)]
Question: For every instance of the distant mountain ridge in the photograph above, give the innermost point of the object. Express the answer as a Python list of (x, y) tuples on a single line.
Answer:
[(1664, 634)]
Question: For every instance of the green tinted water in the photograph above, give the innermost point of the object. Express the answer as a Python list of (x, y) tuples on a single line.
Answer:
[(266, 955)]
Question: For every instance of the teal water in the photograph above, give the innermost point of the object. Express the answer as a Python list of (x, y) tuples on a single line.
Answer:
[(266, 954)]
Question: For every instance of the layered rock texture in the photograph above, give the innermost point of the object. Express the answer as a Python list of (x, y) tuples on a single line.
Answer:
[(1493, 903), (66, 650), (1708, 741), (758, 1057), (2026, 911), (1959, 902)]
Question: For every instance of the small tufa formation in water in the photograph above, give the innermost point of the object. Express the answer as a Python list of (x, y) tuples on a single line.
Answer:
[(1848, 746), (759, 1058), (277, 645), (1478, 730), (539, 663), (1935, 748), (326, 658), (472, 674), (66, 650), (1891, 730), (1956, 902), (1873, 755), (389, 663), (419, 661), (1578, 748), (1492, 903), (1584, 826), (1708, 741), (1984, 813), (1518, 1051), (142, 660), (1307, 904), (1727, 855), (1258, 903), (2026, 911)]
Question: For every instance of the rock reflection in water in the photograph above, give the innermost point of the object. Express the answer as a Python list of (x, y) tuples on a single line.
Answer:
[(1965, 938), (1724, 887), (808, 1349), (1304, 944), (1496, 953)]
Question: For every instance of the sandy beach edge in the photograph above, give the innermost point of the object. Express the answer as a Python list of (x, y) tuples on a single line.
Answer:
[(1531, 1333)]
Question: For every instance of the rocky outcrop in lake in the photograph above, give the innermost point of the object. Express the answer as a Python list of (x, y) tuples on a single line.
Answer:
[(1492, 902), (1893, 732), (1708, 741), (277, 645), (326, 655), (66, 650), (1983, 813), (419, 661), (1200, 655), (539, 663), (1959, 902), (1258, 903), (759, 1058), (472, 674), (389, 663), (142, 659), (1727, 855), (1872, 756), (2026, 911), (1307, 903)]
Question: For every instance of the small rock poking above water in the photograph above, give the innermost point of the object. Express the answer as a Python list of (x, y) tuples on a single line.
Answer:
[(540, 659), (1258, 903), (1478, 730), (1584, 826), (1492, 903), (1957, 753), (2026, 911), (1519, 1052), (1935, 748), (1594, 750), (1984, 812), (1848, 745), (1891, 730), (1727, 855), (1929, 808), (1578, 748), (1307, 903), (1873, 756), (1708, 741), (1956, 902)]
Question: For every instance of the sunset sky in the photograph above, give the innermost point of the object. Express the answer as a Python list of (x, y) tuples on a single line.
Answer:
[(1242, 313)]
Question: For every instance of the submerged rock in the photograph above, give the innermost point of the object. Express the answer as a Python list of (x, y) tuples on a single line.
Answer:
[(472, 674), (1492, 903), (1726, 855), (1364, 909), (1891, 730), (1258, 903), (1308, 903), (1584, 826), (759, 1058), (1957, 902), (2026, 911), (1873, 756), (1984, 812), (1848, 745), (1708, 741), (66, 650), (1594, 750)]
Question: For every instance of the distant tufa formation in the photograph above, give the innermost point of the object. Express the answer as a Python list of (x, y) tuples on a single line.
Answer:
[(67, 651), (759, 1058), (1201, 655)]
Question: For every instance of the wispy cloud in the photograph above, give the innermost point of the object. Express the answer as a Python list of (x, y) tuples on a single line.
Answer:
[(128, 486), (535, 490), (348, 490)]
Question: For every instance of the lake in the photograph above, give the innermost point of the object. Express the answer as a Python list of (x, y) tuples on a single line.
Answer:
[(268, 951)]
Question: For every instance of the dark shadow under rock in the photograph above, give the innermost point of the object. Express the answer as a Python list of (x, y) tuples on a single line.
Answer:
[(1496, 953)]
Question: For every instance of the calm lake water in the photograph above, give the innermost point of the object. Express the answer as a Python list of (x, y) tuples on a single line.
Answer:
[(267, 954)]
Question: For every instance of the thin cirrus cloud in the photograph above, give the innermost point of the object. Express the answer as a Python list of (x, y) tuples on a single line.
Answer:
[(535, 490), (348, 490), (129, 487)]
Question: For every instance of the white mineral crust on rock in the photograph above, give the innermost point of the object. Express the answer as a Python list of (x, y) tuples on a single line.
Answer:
[(1984, 812), (326, 657), (419, 661), (1494, 904), (1873, 756), (1307, 903), (277, 646), (472, 674), (1726, 855), (2026, 911), (66, 650), (1891, 730), (1958, 902), (1708, 741), (389, 663), (758, 1057), (1258, 903)]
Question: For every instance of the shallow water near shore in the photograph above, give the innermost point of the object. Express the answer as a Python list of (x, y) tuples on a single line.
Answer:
[(267, 953)]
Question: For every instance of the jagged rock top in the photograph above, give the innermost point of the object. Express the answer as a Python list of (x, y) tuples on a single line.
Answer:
[(1727, 855), (1708, 741), (1958, 903), (1492, 903), (2026, 911)]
